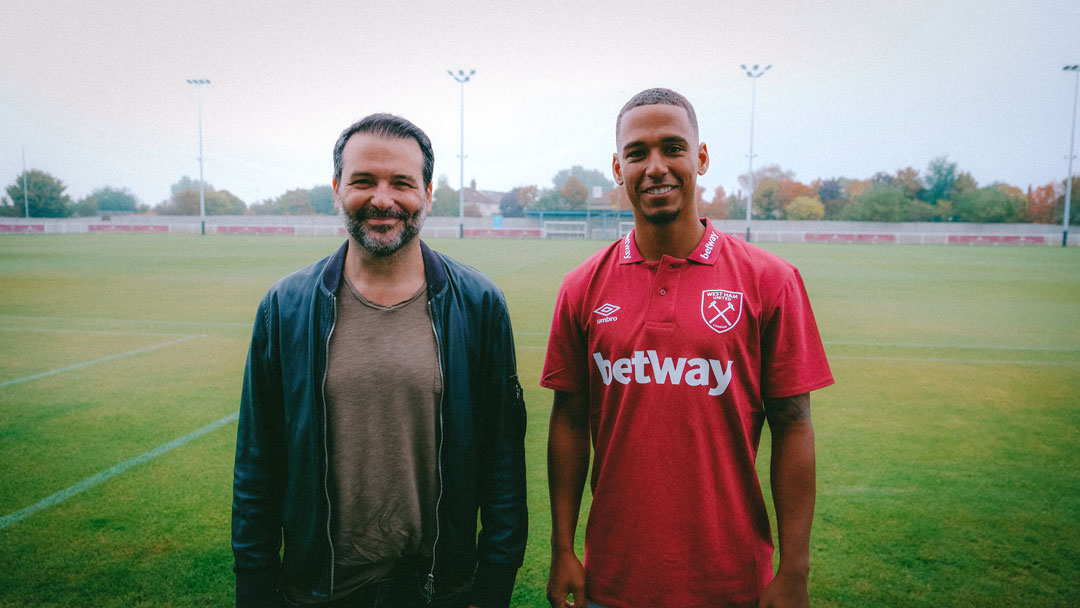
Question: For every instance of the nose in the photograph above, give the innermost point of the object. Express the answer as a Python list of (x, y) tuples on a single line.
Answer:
[(382, 196), (654, 164)]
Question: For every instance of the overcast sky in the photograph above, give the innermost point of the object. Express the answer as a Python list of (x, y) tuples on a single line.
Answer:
[(96, 94)]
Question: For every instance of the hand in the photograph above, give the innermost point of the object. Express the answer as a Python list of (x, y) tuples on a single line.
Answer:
[(785, 591), (567, 577)]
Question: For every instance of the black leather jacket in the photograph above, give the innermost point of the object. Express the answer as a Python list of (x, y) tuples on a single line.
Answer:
[(279, 485)]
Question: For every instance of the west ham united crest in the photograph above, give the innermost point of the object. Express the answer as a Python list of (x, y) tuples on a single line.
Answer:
[(721, 309)]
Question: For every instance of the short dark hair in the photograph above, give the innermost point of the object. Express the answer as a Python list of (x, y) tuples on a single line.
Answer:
[(652, 97), (387, 125)]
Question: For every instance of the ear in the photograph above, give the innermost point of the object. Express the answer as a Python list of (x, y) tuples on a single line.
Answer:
[(337, 199), (616, 169), (427, 196), (703, 159)]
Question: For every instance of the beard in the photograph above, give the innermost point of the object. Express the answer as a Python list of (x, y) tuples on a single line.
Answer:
[(661, 218), (384, 240)]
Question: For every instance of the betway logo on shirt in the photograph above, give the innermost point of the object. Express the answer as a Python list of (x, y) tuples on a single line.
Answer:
[(645, 367)]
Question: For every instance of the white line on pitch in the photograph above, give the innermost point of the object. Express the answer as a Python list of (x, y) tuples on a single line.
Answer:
[(45, 330), (101, 360), (94, 480), (151, 321), (960, 346), (962, 361)]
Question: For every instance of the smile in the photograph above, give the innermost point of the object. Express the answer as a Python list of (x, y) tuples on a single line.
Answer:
[(659, 190)]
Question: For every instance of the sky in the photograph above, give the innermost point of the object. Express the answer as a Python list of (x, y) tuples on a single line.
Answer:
[(95, 93)]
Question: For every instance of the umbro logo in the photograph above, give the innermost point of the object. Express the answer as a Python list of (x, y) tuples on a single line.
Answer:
[(605, 313)]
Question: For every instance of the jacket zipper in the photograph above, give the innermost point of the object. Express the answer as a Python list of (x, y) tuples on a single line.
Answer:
[(326, 448), (429, 586)]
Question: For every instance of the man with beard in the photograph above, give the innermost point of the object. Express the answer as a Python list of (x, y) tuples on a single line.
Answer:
[(668, 350), (380, 411)]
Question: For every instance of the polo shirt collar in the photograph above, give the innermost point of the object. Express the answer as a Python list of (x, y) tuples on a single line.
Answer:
[(708, 248), (706, 252)]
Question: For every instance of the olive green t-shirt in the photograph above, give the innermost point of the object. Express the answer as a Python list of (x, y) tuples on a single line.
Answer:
[(383, 385)]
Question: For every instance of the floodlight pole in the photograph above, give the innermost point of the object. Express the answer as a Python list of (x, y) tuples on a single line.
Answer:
[(25, 198), (198, 82), (1075, 69), (754, 73), (461, 77)]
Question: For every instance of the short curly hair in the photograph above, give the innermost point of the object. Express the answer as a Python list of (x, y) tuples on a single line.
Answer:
[(658, 96)]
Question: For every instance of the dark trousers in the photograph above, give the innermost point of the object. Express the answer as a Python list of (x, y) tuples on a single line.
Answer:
[(401, 591)]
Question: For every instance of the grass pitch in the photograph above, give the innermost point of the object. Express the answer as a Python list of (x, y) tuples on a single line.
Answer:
[(947, 471)]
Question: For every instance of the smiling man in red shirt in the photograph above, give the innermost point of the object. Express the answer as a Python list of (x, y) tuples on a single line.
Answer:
[(668, 351)]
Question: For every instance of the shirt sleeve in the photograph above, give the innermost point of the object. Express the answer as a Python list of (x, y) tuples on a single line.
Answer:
[(792, 357), (564, 365)]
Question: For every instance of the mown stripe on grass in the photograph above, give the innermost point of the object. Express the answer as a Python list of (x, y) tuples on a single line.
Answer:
[(94, 332), (95, 361), (148, 321), (954, 360), (1066, 349), (111, 472)]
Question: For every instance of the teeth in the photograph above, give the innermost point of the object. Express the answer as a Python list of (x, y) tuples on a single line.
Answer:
[(660, 190)]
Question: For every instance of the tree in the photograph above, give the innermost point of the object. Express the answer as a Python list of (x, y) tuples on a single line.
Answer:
[(1040, 204), (791, 190), (187, 183), (294, 202), (527, 196), (857, 187), (322, 200), (882, 178), (44, 194), (773, 172), (767, 201), (736, 207), (107, 200), (939, 180), (880, 203), (185, 200), (1059, 206), (964, 183), (510, 204), (223, 202), (87, 206), (574, 193), (992, 204), (908, 179), (718, 207), (589, 178), (445, 201), (832, 195), (805, 208)]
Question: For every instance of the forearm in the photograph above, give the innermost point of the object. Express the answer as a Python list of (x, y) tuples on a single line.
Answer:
[(568, 465), (793, 480)]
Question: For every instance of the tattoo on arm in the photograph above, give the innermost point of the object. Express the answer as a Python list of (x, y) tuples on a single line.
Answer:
[(785, 411)]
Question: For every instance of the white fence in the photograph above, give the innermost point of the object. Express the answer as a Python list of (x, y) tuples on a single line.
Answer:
[(761, 231)]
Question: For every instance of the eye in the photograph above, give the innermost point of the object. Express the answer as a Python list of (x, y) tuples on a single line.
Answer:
[(673, 149)]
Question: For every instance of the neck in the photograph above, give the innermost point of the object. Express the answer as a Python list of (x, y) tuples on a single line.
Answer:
[(385, 280), (676, 239)]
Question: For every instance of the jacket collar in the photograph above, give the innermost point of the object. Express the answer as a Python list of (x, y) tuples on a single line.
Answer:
[(434, 269)]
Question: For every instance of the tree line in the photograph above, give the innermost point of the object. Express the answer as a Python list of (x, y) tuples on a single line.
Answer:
[(939, 194)]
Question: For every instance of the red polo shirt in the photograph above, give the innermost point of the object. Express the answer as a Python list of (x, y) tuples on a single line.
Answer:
[(676, 356)]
